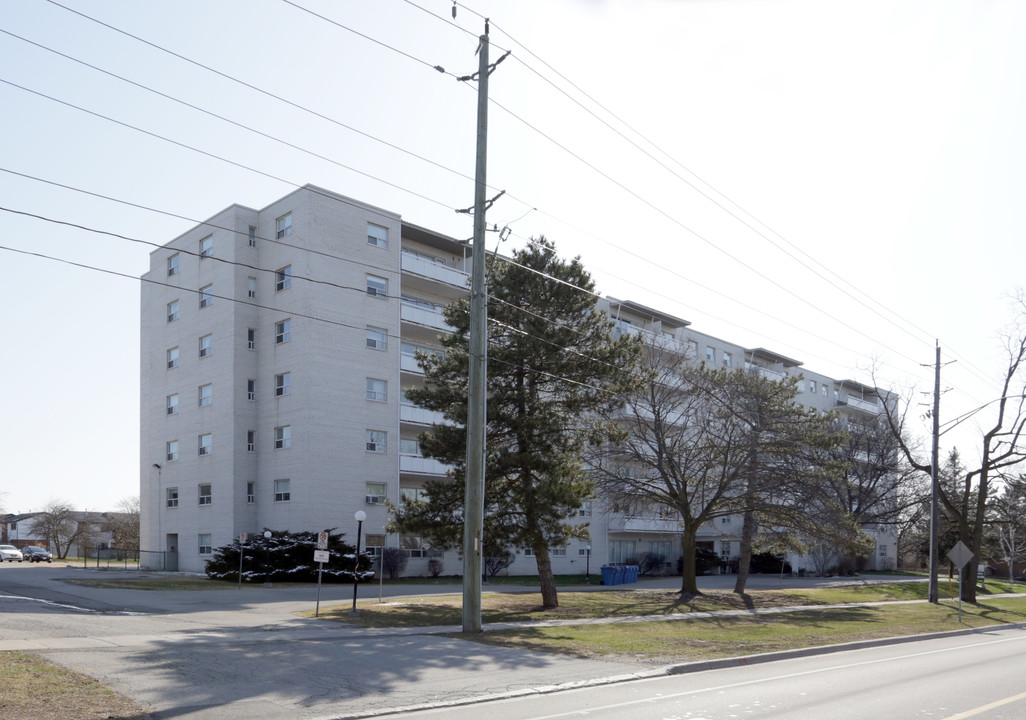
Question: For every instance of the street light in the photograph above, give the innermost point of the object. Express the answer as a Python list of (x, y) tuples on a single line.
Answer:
[(587, 564), (267, 538), (360, 517)]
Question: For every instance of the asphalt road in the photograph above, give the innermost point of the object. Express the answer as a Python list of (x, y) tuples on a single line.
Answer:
[(980, 676), (242, 654)]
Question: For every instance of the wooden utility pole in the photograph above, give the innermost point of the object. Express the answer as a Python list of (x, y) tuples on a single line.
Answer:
[(934, 479), (473, 510)]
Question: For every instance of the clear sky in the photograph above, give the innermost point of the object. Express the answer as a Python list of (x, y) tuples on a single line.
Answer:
[(837, 181)]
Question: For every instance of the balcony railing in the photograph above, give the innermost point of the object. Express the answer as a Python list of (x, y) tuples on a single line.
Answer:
[(421, 416), (421, 465), (421, 316), (434, 270), (765, 372), (871, 407)]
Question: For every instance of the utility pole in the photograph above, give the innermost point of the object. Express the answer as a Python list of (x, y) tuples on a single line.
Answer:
[(934, 479), (473, 510)]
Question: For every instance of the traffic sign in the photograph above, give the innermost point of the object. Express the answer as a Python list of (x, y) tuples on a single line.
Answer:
[(322, 541), (242, 537), (322, 556), (960, 555)]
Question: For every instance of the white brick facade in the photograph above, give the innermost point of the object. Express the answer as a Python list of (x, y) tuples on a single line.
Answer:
[(334, 248)]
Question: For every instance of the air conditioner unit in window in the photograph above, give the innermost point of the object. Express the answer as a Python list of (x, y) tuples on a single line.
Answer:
[(374, 499)]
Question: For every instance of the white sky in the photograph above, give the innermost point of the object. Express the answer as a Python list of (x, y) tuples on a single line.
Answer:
[(882, 140)]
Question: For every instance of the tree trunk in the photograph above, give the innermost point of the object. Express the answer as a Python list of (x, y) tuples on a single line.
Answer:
[(745, 558), (688, 580), (550, 599)]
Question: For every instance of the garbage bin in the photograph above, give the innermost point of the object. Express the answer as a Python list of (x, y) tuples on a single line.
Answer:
[(633, 569), (608, 575)]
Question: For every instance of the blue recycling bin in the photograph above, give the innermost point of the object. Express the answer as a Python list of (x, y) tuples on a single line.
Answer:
[(621, 576), (632, 573), (608, 575)]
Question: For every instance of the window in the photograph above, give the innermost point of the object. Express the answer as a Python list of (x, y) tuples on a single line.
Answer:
[(251, 288), (251, 339), (377, 338), (172, 404), (409, 494), (171, 497), (376, 441), (282, 492), (206, 247), (283, 385), (250, 493), (724, 521), (728, 360), (823, 387), (377, 286), (283, 437), (585, 509), (408, 446), (710, 354), (621, 550), (812, 386), (172, 358), (206, 296), (206, 395), (283, 279), (206, 496), (374, 544), (171, 450), (205, 544), (251, 389), (375, 493), (205, 444), (883, 551), (693, 349), (283, 226), (206, 346), (172, 265), (252, 235), (558, 551), (282, 332), (172, 311), (377, 390), (414, 546), (251, 441), (377, 235)]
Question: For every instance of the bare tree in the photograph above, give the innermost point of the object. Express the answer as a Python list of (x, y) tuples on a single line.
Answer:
[(1008, 517), (123, 524), (1000, 449), (708, 444), (62, 526)]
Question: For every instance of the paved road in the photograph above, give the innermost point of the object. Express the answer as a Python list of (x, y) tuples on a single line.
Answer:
[(977, 676), (232, 654)]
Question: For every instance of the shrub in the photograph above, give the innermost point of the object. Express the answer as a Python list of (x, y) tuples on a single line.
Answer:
[(435, 567), (768, 563), (651, 563), (287, 556), (705, 560), (393, 561)]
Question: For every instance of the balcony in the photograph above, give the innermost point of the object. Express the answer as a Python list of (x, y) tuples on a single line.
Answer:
[(866, 406), (420, 416), (644, 524), (408, 363), (434, 270), (765, 372), (422, 316), (417, 465)]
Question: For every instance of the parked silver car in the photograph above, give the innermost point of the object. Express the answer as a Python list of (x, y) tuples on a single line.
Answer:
[(10, 553)]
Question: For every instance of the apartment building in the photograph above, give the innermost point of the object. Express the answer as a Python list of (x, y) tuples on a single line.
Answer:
[(276, 345)]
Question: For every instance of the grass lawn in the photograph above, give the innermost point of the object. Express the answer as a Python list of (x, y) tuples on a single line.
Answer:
[(34, 688)]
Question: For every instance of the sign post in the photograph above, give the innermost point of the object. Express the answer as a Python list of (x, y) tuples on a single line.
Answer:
[(321, 556), (960, 555), (242, 552)]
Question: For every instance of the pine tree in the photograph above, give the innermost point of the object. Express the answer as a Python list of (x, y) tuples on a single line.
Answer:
[(552, 363)]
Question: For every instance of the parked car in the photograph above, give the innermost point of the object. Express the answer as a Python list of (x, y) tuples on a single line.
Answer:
[(34, 553), (10, 553)]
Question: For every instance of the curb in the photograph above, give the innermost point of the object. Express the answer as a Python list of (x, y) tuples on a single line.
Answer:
[(681, 669)]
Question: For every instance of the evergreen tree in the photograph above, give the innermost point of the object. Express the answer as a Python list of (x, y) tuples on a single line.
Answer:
[(552, 363)]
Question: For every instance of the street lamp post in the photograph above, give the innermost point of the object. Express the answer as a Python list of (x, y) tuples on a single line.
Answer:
[(587, 564), (267, 538), (360, 517)]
